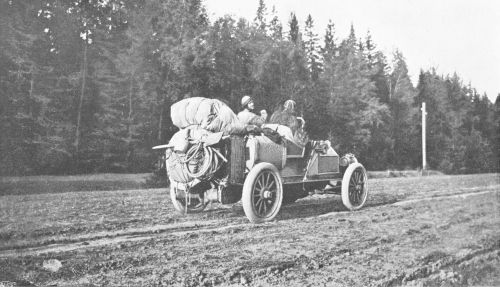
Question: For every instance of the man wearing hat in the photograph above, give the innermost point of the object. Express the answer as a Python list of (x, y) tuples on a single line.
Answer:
[(247, 116)]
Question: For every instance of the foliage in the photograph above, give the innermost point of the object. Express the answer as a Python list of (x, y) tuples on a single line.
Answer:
[(86, 86)]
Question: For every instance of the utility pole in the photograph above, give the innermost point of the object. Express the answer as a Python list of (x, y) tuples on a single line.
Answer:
[(424, 156)]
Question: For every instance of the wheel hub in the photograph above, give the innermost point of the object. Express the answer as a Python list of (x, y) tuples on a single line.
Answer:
[(267, 194)]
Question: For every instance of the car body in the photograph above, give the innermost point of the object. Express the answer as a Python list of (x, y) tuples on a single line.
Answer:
[(260, 172)]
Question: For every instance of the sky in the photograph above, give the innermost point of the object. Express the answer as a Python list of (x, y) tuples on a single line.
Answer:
[(450, 35)]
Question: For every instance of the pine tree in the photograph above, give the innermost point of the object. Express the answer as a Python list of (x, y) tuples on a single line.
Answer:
[(350, 42), (401, 95), (176, 25), (354, 109), (293, 26), (80, 21), (260, 19), (329, 49), (370, 50), (312, 49), (275, 27), (21, 73), (381, 71)]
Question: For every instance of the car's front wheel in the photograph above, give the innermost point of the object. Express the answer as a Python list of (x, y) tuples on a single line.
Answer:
[(354, 186)]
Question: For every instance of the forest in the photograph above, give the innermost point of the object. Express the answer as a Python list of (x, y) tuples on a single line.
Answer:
[(86, 87)]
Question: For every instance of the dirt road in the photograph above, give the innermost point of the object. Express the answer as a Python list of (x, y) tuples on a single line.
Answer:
[(441, 230)]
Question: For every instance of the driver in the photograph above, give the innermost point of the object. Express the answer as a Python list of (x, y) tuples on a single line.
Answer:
[(247, 116)]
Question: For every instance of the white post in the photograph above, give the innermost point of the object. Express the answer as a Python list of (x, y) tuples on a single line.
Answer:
[(424, 156)]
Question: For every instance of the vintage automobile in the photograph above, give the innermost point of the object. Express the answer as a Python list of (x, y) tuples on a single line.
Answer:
[(262, 173)]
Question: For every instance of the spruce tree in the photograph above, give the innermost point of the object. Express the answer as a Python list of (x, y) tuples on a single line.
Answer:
[(311, 49), (293, 26), (260, 19), (275, 27), (329, 46)]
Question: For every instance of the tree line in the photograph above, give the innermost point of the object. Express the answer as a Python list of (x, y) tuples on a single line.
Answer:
[(86, 86)]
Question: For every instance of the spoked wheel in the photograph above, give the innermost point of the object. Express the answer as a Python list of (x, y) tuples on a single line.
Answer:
[(195, 202), (262, 193), (354, 187)]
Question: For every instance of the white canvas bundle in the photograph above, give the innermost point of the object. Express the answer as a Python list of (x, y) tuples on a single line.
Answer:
[(210, 114)]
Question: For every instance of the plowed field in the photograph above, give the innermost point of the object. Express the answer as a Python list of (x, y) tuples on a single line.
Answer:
[(428, 231)]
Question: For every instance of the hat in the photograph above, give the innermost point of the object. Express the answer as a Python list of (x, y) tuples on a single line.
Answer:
[(289, 105), (245, 100)]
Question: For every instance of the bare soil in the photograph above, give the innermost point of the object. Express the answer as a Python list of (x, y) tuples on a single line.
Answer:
[(430, 231)]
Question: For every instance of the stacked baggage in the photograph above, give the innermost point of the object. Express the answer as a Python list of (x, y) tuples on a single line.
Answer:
[(202, 123)]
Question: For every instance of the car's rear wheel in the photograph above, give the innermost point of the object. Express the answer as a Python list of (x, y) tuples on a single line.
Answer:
[(185, 202), (354, 186), (262, 193)]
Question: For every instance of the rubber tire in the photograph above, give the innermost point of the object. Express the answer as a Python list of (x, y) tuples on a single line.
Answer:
[(247, 194), (180, 207), (345, 186)]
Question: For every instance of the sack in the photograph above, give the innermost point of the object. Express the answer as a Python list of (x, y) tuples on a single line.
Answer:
[(179, 141), (210, 114), (176, 169), (272, 135), (190, 111)]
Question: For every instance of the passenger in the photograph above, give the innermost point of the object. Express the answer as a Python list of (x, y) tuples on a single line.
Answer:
[(247, 116), (286, 116)]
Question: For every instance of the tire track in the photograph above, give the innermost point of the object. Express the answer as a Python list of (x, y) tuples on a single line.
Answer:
[(102, 241), (495, 189), (441, 197)]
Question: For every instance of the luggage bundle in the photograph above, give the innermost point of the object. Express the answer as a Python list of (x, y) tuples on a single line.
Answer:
[(202, 121), (210, 114)]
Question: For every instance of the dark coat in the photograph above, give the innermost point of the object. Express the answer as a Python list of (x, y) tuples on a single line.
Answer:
[(286, 118)]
